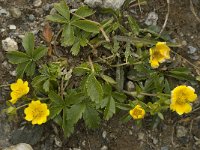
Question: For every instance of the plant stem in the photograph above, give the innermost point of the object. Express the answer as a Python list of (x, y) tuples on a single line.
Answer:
[(91, 64), (21, 106)]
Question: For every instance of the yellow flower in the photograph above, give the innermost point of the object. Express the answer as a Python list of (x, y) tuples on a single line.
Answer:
[(137, 112), (181, 98), (159, 54), (19, 89), (37, 112)]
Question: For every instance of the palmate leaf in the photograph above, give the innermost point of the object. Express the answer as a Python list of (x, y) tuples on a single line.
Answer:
[(30, 69), (75, 48), (38, 80), (16, 57), (55, 98), (83, 11), (86, 25), (28, 43), (133, 25), (94, 88), (91, 117), (55, 110), (62, 9), (21, 68)]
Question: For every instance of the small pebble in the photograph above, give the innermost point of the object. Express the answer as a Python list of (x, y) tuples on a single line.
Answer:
[(12, 27), (104, 147), (104, 134), (9, 44), (130, 132), (13, 73), (37, 3), (15, 12), (152, 19), (58, 142), (191, 49), (164, 148), (141, 136), (20, 146), (155, 141), (130, 86), (4, 12), (31, 17), (181, 131)]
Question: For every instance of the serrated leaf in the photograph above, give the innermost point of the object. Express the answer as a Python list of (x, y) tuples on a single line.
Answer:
[(38, 79), (75, 48), (28, 43), (21, 68), (119, 96), (110, 108), (62, 9), (16, 57), (68, 35), (75, 112), (55, 98), (56, 18), (91, 117), (123, 106), (94, 88), (46, 86), (39, 52), (83, 12), (30, 69), (55, 110), (74, 98), (115, 47), (108, 79), (86, 25), (67, 125), (133, 25)]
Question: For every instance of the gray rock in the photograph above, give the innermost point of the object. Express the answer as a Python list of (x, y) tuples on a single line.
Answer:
[(164, 148), (15, 12), (191, 49), (13, 73), (4, 12), (58, 142), (152, 19), (37, 3), (46, 7), (12, 27), (115, 4), (21, 146), (104, 147), (9, 44), (194, 57), (181, 131), (31, 17), (155, 141), (141, 136), (93, 3)]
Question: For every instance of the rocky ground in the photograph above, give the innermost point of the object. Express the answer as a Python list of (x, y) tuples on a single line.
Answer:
[(21, 16)]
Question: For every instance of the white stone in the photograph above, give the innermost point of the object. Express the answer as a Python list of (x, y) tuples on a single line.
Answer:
[(152, 19), (115, 4), (12, 27), (16, 13), (104, 147), (104, 134), (37, 3), (9, 44), (21, 146)]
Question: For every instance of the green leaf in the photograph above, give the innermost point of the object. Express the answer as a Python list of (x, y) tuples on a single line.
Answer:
[(68, 35), (94, 88), (133, 25), (110, 108), (108, 79), (63, 9), (123, 106), (119, 96), (55, 110), (21, 68), (120, 78), (55, 98), (28, 43), (74, 98), (83, 12), (75, 112), (16, 57), (160, 115), (38, 80), (91, 117), (68, 126), (46, 86), (30, 69), (75, 48), (86, 25), (56, 18), (39, 52)]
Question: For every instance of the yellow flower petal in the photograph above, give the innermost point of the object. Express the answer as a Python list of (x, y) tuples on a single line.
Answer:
[(181, 108), (137, 112)]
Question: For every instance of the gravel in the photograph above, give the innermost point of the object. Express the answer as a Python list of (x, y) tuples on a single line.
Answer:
[(9, 44)]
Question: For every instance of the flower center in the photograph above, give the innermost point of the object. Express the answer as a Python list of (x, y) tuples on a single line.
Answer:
[(182, 98), (137, 112), (157, 55)]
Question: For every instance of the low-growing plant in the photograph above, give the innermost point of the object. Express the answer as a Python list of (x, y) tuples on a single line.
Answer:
[(95, 89)]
